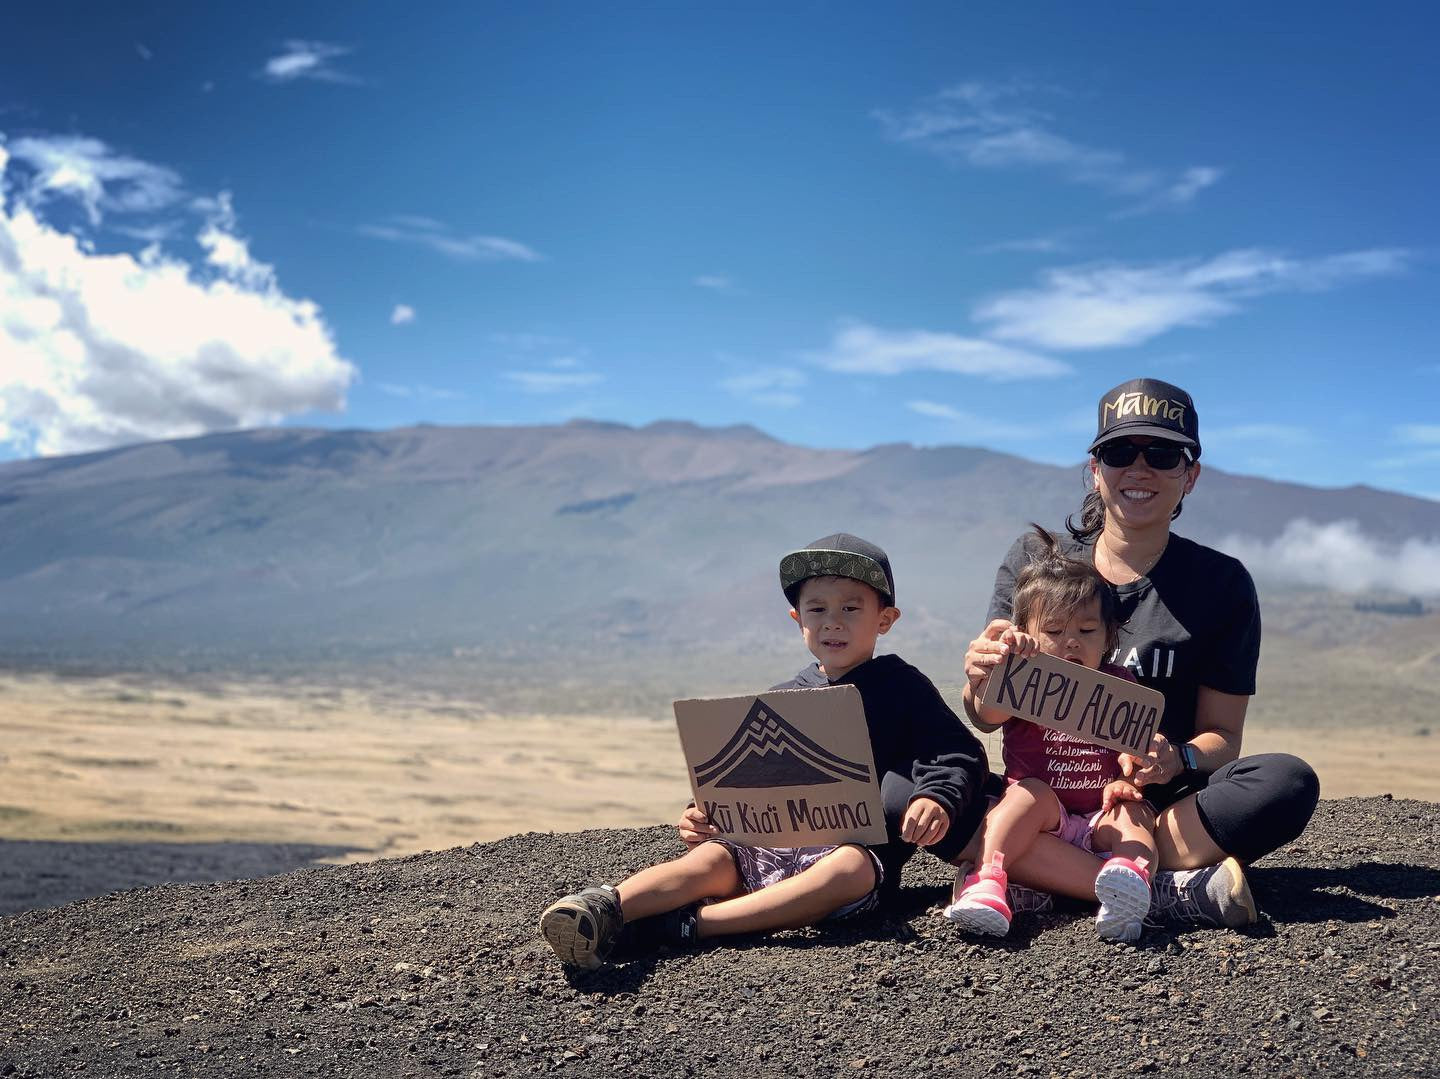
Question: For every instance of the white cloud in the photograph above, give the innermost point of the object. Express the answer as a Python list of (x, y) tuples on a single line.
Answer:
[(1418, 434), (860, 349), (437, 236), (403, 315), (1276, 434), (715, 282), (93, 175), (1339, 556), (1032, 245), (420, 392), (227, 252), (105, 349), (1181, 192), (1111, 304), (307, 60), (987, 126), (553, 381), (777, 387), (972, 427)]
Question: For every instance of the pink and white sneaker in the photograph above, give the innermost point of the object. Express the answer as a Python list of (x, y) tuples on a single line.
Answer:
[(981, 907), (1123, 888)]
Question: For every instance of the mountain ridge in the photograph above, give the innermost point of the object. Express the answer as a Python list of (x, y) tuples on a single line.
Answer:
[(277, 539)]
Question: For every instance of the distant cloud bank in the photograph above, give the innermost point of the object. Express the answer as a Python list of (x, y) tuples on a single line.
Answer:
[(106, 349), (1339, 556)]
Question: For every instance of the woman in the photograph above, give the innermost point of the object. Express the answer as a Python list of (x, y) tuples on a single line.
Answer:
[(1192, 631)]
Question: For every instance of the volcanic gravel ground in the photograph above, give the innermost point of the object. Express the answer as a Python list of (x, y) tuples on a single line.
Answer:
[(430, 965)]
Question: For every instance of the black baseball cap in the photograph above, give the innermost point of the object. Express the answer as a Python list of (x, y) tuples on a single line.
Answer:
[(1147, 406), (840, 555)]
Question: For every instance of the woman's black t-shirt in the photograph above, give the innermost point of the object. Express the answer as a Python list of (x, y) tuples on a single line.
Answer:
[(1194, 621)]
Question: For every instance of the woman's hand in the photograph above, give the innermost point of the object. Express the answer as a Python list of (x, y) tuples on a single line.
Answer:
[(1160, 764), (984, 652), (695, 826)]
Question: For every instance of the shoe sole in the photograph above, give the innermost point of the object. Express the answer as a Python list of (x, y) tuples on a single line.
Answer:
[(1124, 892), (571, 932), (986, 921), (1240, 894)]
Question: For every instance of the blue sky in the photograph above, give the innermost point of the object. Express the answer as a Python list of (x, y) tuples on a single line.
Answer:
[(842, 223)]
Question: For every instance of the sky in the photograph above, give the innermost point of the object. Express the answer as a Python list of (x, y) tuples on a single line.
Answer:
[(846, 224)]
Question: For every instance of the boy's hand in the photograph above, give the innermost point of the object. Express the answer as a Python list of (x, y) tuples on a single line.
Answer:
[(925, 822), (695, 826), (1120, 790)]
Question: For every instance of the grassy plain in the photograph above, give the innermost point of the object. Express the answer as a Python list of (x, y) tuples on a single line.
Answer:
[(386, 773)]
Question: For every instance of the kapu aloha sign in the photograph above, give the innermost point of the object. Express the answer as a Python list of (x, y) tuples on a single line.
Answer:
[(1080, 701)]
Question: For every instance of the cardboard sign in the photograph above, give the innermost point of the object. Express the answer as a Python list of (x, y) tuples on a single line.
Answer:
[(791, 768), (1080, 701)]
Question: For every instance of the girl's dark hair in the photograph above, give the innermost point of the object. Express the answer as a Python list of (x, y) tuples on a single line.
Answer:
[(1092, 515), (1057, 585)]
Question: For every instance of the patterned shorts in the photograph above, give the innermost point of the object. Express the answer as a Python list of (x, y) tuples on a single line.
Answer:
[(760, 867)]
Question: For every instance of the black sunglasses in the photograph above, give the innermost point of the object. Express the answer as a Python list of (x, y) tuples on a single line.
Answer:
[(1161, 456)]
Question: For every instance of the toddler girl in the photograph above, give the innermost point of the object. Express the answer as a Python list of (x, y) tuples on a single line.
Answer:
[(1056, 783)]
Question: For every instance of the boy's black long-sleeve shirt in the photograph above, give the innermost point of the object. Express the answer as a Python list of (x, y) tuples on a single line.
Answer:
[(915, 735)]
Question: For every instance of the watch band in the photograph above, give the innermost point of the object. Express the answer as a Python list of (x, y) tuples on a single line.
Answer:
[(1189, 759)]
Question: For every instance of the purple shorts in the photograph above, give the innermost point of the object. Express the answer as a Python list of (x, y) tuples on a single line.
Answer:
[(1077, 829), (760, 867)]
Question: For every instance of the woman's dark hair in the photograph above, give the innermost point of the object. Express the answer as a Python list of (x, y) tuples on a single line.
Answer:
[(1056, 585), (1092, 514)]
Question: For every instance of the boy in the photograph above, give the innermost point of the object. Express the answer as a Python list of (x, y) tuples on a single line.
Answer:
[(842, 596)]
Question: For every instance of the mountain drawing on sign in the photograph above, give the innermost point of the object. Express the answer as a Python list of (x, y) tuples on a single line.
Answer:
[(766, 751)]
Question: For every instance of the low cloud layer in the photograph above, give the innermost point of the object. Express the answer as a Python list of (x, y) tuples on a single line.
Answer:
[(1341, 557), (106, 349)]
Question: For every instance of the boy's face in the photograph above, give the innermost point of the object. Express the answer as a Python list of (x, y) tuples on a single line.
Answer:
[(1080, 638), (840, 619)]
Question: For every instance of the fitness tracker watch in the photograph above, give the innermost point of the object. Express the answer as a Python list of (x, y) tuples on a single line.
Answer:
[(1190, 760)]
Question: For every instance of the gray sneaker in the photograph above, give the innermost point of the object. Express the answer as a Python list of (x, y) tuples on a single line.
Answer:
[(1025, 900), (1216, 895), (582, 928)]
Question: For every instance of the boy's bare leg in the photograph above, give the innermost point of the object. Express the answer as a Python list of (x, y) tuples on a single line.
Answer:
[(703, 872), (1128, 831), (1028, 809), (842, 876)]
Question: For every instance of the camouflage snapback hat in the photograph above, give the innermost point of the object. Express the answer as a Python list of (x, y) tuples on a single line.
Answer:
[(838, 555)]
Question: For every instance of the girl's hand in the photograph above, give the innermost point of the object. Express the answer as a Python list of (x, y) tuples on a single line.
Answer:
[(925, 822), (695, 826), (984, 652), (1120, 790), (1021, 644)]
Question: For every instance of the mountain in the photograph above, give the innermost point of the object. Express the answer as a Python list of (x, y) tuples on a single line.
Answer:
[(577, 542)]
